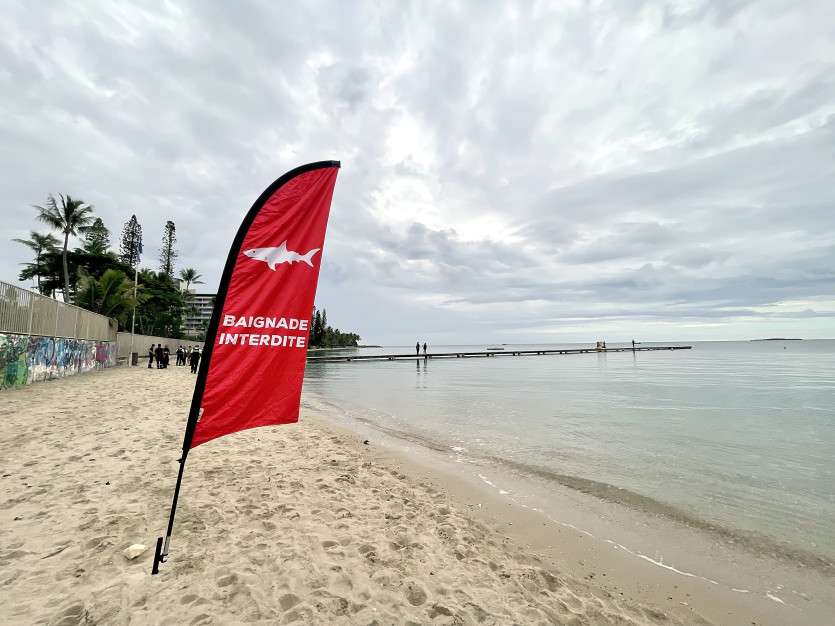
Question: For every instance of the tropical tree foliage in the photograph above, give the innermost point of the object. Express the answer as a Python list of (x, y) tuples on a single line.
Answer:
[(70, 217), (163, 307), (110, 295), (77, 260), (41, 244), (190, 277), (97, 238), (131, 244), (323, 336), (97, 279), (168, 253)]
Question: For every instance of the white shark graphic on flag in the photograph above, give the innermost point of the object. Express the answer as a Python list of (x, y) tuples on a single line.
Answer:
[(279, 255)]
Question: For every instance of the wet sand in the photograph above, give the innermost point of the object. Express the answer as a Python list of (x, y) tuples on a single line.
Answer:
[(299, 523)]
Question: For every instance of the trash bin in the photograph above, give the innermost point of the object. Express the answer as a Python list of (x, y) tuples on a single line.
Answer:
[(134, 358)]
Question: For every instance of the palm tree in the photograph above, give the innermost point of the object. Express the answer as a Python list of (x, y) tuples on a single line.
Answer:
[(190, 276), (110, 295), (71, 218), (39, 244)]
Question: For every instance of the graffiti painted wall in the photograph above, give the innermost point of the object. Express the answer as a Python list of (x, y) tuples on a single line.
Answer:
[(25, 359)]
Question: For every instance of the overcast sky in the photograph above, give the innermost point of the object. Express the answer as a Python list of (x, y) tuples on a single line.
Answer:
[(528, 171)]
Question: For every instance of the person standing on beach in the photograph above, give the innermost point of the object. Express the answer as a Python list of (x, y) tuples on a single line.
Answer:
[(194, 360), (151, 356), (424, 349), (166, 356), (417, 348), (179, 355), (158, 355)]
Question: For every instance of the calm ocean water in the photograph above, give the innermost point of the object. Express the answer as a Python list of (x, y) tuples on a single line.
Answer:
[(735, 437)]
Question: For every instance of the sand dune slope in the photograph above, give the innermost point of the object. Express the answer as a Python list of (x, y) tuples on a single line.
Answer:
[(276, 525)]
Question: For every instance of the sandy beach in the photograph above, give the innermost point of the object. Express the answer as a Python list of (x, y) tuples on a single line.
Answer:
[(299, 523)]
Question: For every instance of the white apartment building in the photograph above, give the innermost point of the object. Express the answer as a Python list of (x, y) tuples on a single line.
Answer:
[(198, 312)]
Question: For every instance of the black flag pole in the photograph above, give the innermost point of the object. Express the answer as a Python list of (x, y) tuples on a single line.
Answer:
[(161, 551)]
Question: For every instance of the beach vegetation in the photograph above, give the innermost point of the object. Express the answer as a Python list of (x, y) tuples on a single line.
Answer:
[(163, 306), (130, 246), (110, 295), (77, 260), (190, 277), (41, 244), (168, 252), (96, 278), (69, 216), (97, 239), (324, 336)]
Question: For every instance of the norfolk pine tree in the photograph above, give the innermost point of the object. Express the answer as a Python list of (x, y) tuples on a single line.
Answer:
[(168, 254), (131, 244)]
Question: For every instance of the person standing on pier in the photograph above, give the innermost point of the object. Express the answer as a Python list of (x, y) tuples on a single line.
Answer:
[(417, 348), (424, 349), (633, 345)]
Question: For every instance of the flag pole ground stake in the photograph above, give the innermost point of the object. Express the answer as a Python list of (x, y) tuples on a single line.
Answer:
[(321, 201), (161, 552)]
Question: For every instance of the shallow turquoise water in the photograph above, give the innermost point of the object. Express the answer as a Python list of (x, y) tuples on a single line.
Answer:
[(735, 437)]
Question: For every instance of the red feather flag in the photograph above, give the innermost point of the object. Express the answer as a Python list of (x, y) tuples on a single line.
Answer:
[(255, 368), (256, 344)]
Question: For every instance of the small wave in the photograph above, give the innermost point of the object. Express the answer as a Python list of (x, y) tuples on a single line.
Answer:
[(750, 540), (754, 542), (484, 478)]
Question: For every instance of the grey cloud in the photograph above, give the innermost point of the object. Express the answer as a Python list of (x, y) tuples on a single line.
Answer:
[(646, 164)]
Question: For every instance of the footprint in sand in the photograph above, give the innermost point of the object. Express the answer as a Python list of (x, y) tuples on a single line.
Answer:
[(368, 552), (226, 580), (71, 616), (288, 601), (438, 610), (414, 593)]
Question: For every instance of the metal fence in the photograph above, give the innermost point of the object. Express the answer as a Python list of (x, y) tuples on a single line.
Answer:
[(24, 312)]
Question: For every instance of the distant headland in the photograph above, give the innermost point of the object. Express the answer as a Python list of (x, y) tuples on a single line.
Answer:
[(778, 339)]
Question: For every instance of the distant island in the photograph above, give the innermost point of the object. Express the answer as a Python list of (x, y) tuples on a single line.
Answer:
[(778, 339)]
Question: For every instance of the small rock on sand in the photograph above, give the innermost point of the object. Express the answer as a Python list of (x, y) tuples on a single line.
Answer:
[(133, 551)]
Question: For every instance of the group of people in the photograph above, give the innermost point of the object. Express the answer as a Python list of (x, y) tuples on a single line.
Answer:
[(417, 348), (162, 354)]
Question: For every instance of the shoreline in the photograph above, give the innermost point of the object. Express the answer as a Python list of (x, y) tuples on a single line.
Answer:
[(754, 541), (682, 566), (298, 523)]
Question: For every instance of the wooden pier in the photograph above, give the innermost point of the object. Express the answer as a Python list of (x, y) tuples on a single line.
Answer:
[(481, 354)]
